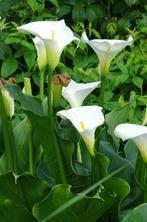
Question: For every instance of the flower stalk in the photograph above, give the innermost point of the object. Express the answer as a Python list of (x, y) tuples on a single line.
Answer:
[(145, 184), (28, 91), (102, 90), (41, 84), (145, 117), (52, 130)]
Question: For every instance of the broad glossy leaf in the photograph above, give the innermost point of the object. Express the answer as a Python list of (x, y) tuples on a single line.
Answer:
[(87, 209), (42, 130), (77, 175), (138, 214), (116, 117), (8, 67), (29, 56), (30, 103), (20, 195), (22, 133), (101, 164), (116, 161), (11, 211)]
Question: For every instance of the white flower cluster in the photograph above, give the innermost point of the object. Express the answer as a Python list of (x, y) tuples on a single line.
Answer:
[(51, 38)]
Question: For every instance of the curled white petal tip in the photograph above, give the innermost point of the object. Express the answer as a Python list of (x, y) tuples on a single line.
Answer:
[(41, 52), (75, 93), (130, 40), (127, 131), (136, 132), (84, 37)]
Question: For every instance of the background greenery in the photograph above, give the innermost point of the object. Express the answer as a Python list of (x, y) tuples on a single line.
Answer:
[(100, 19)]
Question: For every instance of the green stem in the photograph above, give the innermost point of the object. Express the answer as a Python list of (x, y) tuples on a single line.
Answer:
[(102, 90), (41, 84), (145, 184), (9, 152), (108, 8), (52, 131), (92, 170), (31, 160), (28, 91), (145, 117), (79, 155)]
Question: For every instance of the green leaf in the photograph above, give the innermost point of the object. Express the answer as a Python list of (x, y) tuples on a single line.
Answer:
[(95, 13), (8, 67), (10, 211), (101, 163), (30, 103), (4, 7), (131, 2), (18, 40), (138, 214), (86, 209), (115, 117), (22, 133), (117, 161), (142, 99), (19, 197), (78, 14), (36, 5), (138, 81), (29, 56), (5, 51), (55, 3), (123, 24), (76, 173), (63, 10), (42, 130), (91, 15)]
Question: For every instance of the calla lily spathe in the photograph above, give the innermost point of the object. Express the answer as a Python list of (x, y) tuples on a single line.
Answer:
[(75, 93), (85, 119), (41, 53), (55, 36), (136, 132), (106, 50)]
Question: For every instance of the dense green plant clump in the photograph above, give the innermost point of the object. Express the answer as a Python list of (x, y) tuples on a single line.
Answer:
[(73, 111)]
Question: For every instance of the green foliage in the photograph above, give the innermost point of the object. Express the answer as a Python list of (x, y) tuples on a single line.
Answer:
[(137, 214), (86, 209), (18, 198), (42, 197)]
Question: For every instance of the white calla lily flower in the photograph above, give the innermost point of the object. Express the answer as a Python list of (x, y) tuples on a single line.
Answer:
[(136, 132), (41, 52), (106, 50), (75, 93), (55, 36), (85, 119)]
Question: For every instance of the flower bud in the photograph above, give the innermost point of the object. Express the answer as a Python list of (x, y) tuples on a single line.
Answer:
[(8, 103), (58, 81), (111, 29)]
